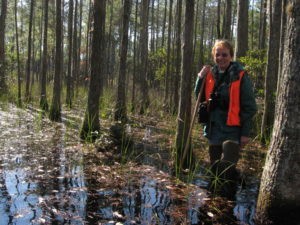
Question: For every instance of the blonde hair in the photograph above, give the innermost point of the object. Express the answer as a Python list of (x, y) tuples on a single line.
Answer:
[(222, 43)]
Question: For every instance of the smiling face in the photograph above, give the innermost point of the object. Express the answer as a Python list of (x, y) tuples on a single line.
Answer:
[(222, 54), (222, 57)]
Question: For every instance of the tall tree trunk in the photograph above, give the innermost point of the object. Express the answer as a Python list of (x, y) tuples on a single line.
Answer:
[(259, 84), (41, 38), (172, 72), (75, 68), (184, 113), (135, 53), (252, 25), (120, 113), (70, 58), (33, 58), (168, 73), (144, 57), (110, 44), (241, 46), (262, 24), (19, 102), (211, 39), (178, 56), (279, 194), (227, 22), (55, 109), (234, 15), (157, 25), (3, 85), (91, 124), (219, 19), (152, 34), (201, 50), (78, 61), (28, 63), (282, 36), (87, 47), (272, 71), (196, 29), (43, 99), (164, 24)]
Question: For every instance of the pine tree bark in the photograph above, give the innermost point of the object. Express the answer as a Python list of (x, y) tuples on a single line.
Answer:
[(91, 124), (262, 24), (78, 51), (219, 19), (55, 109), (282, 36), (196, 29), (109, 68), (120, 112), (152, 34), (279, 194), (135, 60), (70, 54), (241, 46), (168, 70), (157, 25), (43, 99), (75, 46), (178, 56), (3, 85), (227, 22), (29, 51), (164, 25), (87, 47), (259, 82), (201, 50), (184, 113), (144, 57), (19, 103), (272, 71)]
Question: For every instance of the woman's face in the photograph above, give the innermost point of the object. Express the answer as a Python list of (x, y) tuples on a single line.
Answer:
[(222, 57)]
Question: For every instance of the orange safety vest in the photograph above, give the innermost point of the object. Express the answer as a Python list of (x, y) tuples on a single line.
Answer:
[(233, 118)]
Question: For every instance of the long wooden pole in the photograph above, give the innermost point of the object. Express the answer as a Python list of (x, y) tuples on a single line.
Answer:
[(187, 145)]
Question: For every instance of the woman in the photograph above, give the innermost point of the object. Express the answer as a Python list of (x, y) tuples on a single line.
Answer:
[(232, 105)]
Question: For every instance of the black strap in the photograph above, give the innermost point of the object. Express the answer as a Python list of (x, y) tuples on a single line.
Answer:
[(220, 81)]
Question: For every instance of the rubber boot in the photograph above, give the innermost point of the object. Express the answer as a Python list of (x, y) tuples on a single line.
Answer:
[(227, 165), (231, 151)]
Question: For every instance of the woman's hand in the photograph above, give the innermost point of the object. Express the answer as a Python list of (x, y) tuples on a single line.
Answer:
[(205, 69), (244, 141)]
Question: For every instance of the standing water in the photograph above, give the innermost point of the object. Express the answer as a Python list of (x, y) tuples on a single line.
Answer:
[(48, 177)]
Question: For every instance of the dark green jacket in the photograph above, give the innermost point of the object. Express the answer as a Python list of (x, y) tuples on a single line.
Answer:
[(216, 128)]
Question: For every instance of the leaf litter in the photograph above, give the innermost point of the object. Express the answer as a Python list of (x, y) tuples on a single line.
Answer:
[(74, 182)]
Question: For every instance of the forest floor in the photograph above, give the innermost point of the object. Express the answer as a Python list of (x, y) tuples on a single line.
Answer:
[(151, 141), (126, 177)]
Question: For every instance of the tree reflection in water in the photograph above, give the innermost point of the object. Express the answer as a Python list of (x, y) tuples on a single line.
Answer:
[(47, 176)]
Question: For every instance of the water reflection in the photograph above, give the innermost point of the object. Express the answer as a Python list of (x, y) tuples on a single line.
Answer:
[(194, 204), (146, 204), (37, 168), (5, 199), (246, 202), (46, 178), (154, 203), (130, 204), (244, 199), (17, 203)]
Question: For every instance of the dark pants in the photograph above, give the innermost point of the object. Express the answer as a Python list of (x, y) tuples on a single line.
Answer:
[(223, 159)]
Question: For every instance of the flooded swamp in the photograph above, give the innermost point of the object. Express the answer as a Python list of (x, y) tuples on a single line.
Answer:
[(49, 176)]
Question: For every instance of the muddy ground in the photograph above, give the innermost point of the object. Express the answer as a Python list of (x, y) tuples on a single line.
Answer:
[(49, 176)]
